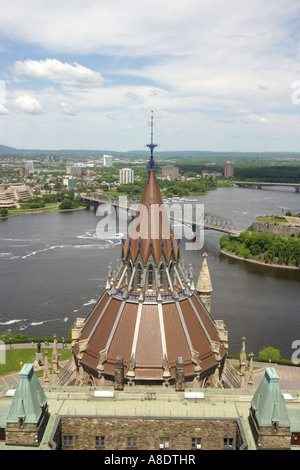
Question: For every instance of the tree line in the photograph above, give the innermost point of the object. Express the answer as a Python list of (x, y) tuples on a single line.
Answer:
[(264, 247), (275, 174), (170, 188)]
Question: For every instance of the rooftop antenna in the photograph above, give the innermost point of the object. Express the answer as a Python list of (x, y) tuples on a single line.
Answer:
[(151, 164)]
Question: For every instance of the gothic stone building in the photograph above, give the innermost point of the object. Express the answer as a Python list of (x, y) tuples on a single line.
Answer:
[(55, 417), (151, 326)]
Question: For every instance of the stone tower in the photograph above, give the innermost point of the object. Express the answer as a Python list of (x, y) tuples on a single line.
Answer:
[(28, 414), (268, 417), (204, 286)]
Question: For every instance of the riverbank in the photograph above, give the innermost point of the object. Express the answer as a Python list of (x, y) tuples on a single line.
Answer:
[(39, 211), (251, 260)]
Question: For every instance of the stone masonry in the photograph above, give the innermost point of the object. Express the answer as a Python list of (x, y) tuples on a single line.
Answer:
[(148, 431)]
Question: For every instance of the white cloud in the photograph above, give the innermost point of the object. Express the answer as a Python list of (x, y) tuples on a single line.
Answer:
[(67, 109), (3, 109), (216, 67), (250, 117), (59, 72), (28, 104)]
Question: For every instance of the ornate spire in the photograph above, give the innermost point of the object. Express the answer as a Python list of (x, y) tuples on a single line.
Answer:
[(150, 231), (204, 285), (151, 146)]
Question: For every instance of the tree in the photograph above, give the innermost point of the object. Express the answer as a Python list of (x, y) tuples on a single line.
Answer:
[(269, 354), (66, 204), (3, 212)]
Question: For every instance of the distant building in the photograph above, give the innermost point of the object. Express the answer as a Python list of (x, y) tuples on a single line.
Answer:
[(27, 168), (51, 158), (170, 172), (9, 195), (73, 170), (16, 192), (69, 181), (211, 174), (126, 175), (228, 169), (23, 171), (107, 160)]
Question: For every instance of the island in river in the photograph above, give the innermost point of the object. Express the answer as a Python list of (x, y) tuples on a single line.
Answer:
[(271, 240)]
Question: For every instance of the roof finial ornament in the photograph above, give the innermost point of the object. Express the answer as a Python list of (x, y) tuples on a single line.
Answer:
[(151, 164)]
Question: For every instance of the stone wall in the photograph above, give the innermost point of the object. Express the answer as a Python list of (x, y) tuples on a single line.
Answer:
[(275, 228), (29, 434), (148, 432), (268, 437)]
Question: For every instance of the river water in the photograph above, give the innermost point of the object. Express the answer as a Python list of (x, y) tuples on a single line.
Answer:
[(53, 267)]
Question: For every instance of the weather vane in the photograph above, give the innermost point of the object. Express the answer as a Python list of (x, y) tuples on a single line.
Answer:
[(151, 164)]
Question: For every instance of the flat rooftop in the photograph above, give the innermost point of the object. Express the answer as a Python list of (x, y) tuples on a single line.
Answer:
[(145, 402)]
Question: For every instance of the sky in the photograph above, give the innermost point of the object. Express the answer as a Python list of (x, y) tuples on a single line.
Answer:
[(219, 75)]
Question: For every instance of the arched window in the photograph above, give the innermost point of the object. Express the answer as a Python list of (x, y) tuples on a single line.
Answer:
[(170, 268), (139, 275), (150, 276), (161, 274), (129, 270)]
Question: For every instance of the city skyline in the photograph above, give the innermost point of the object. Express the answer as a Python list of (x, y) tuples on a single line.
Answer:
[(85, 75)]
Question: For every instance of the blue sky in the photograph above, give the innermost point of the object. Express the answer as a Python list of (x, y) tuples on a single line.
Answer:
[(220, 75)]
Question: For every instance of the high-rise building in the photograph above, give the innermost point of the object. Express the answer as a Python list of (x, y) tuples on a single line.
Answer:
[(126, 175), (69, 181), (228, 169), (107, 160), (73, 170)]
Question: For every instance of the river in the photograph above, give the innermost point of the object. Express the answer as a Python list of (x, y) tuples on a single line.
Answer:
[(53, 267)]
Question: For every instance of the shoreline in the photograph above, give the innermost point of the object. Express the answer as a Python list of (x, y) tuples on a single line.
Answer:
[(38, 211), (251, 260)]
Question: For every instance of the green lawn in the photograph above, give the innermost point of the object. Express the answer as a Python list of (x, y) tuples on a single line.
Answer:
[(48, 208), (14, 358), (273, 218)]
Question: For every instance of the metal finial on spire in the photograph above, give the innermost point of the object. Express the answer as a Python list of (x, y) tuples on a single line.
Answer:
[(151, 146)]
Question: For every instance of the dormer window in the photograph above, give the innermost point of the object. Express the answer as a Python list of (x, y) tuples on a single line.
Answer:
[(275, 426), (21, 422)]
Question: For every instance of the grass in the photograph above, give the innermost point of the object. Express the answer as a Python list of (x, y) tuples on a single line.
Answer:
[(273, 218), (48, 208), (14, 358), (51, 207)]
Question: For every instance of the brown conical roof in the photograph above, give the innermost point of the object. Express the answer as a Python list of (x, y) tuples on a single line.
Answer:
[(150, 325), (150, 230)]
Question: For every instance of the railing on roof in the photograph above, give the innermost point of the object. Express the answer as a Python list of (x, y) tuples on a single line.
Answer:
[(150, 297)]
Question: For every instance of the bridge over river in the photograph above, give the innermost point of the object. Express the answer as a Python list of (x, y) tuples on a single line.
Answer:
[(260, 184), (207, 221)]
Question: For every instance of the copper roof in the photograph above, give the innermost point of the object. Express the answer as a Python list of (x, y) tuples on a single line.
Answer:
[(124, 330), (152, 223), (149, 345), (149, 325), (122, 343), (176, 340)]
